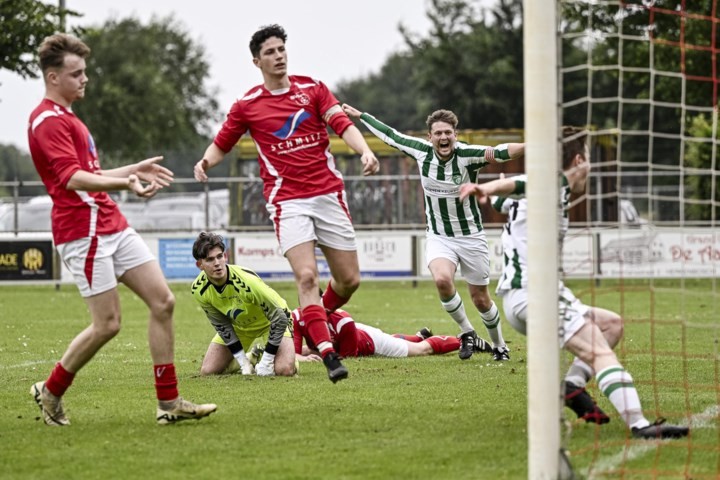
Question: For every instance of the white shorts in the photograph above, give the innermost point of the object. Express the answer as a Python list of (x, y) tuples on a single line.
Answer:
[(385, 344), (97, 262), (572, 311), (471, 253), (324, 219)]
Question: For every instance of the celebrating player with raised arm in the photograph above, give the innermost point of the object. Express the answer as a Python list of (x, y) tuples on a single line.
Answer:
[(287, 117), (93, 238), (455, 234), (589, 333), (244, 311)]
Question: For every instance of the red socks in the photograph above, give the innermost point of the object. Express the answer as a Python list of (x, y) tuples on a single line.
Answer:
[(331, 300), (444, 344), (59, 380), (165, 382), (316, 327)]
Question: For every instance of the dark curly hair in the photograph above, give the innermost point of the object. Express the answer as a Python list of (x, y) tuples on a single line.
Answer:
[(205, 242), (263, 34)]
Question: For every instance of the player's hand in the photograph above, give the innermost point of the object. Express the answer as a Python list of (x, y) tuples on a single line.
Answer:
[(467, 189), (308, 358), (351, 111), (371, 165), (150, 171), (265, 368), (142, 191), (200, 170), (246, 368)]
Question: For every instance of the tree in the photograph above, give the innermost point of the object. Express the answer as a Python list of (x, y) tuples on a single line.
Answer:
[(391, 94), (468, 64), (25, 23), (15, 165), (147, 92)]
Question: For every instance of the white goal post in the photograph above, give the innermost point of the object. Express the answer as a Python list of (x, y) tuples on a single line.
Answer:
[(542, 127)]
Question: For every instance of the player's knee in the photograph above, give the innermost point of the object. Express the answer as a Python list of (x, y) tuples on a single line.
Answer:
[(445, 286), (164, 306), (307, 280), (107, 328), (285, 369)]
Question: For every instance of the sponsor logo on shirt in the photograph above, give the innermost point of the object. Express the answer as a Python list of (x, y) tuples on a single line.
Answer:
[(291, 142), (292, 124)]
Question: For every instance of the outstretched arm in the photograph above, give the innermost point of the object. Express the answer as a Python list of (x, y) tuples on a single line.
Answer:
[(213, 156), (90, 182), (148, 170), (355, 140), (501, 187)]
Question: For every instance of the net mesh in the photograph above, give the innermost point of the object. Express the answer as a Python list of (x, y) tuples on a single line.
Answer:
[(643, 77)]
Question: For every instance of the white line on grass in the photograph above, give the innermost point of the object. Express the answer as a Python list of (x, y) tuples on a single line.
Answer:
[(24, 364), (701, 420)]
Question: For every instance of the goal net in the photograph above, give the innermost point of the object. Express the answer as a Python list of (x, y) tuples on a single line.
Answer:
[(643, 77)]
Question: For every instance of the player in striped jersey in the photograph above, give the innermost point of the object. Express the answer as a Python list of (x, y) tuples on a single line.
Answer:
[(244, 311), (587, 332), (455, 234)]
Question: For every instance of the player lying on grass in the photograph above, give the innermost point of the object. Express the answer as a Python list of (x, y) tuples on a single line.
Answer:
[(244, 311), (589, 333), (455, 234), (354, 339)]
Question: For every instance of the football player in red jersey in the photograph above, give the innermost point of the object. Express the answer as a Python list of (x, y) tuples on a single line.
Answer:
[(94, 239), (354, 339), (287, 117)]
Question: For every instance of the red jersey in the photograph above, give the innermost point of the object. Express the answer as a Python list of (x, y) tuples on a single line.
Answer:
[(60, 145), (347, 339), (291, 137)]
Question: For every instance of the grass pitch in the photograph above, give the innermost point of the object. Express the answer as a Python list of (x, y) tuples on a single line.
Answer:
[(432, 417)]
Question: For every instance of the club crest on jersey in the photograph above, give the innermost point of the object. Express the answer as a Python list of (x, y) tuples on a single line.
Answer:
[(292, 124), (300, 99), (457, 179)]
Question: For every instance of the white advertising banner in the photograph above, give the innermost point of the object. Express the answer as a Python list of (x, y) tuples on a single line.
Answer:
[(577, 254), (379, 255), (659, 253), (494, 246)]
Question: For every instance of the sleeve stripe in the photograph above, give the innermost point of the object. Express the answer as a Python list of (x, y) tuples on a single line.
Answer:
[(41, 118)]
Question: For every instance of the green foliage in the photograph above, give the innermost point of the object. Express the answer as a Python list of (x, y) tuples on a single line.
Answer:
[(468, 64), (147, 92), (25, 23), (15, 165), (703, 182), (432, 417), (392, 93)]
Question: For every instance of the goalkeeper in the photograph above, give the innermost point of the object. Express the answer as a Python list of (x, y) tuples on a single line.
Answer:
[(244, 311)]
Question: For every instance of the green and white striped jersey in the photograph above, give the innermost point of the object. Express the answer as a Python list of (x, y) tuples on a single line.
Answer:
[(445, 214), (514, 236)]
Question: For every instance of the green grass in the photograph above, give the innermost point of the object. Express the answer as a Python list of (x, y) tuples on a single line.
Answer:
[(433, 417)]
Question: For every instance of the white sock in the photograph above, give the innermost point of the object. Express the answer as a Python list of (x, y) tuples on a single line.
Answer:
[(454, 306), (491, 319), (579, 373), (617, 385)]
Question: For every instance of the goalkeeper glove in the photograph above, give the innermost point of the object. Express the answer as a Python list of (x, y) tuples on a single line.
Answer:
[(246, 367), (266, 367)]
